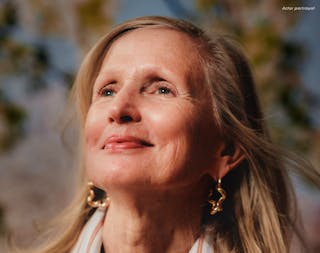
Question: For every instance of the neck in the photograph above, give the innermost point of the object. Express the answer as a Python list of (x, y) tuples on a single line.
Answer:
[(162, 222)]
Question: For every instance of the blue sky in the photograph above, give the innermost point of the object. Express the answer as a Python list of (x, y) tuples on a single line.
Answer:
[(129, 9)]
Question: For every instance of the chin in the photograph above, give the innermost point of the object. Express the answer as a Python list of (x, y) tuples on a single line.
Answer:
[(117, 175)]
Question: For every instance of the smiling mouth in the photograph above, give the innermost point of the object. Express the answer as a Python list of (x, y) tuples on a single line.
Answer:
[(115, 143)]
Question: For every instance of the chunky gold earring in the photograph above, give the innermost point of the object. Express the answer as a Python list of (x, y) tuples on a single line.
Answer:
[(101, 203), (216, 206)]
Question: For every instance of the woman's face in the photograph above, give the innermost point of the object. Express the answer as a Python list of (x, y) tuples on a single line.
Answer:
[(150, 124)]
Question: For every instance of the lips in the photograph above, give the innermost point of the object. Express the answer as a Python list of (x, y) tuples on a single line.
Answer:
[(115, 143)]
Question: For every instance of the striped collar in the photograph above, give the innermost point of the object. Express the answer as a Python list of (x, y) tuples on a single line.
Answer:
[(90, 239)]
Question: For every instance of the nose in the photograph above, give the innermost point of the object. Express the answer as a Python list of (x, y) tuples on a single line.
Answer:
[(124, 109)]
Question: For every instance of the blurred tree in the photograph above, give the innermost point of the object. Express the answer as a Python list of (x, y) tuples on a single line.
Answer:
[(31, 59), (11, 119), (2, 222), (11, 115), (261, 26), (26, 28), (94, 18)]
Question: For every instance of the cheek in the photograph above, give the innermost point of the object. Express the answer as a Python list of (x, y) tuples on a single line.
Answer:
[(176, 133), (171, 123), (93, 127), (192, 133)]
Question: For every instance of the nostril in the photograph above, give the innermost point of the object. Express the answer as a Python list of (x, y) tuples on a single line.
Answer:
[(126, 118)]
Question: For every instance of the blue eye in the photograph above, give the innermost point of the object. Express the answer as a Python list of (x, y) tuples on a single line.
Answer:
[(164, 90), (107, 92)]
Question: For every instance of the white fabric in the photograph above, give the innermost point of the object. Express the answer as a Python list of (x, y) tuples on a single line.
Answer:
[(90, 239), (202, 246)]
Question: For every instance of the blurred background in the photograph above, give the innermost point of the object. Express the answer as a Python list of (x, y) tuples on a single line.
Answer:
[(42, 43)]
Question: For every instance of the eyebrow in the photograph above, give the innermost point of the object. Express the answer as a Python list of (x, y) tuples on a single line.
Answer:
[(148, 72)]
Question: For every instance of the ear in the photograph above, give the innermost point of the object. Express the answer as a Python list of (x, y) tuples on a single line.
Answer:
[(227, 157)]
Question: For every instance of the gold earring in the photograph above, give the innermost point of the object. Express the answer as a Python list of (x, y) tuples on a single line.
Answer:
[(216, 206), (101, 203)]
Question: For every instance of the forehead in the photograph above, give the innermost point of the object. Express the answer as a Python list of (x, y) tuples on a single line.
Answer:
[(156, 39), (157, 48)]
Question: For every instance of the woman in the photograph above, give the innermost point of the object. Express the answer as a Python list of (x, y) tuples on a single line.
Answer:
[(175, 149)]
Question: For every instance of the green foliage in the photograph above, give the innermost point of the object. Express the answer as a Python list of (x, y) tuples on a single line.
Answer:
[(205, 5), (8, 15), (260, 27), (2, 221), (12, 117), (93, 19), (91, 14), (17, 59)]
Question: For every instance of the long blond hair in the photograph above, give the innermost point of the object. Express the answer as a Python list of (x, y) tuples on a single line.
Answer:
[(259, 213)]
